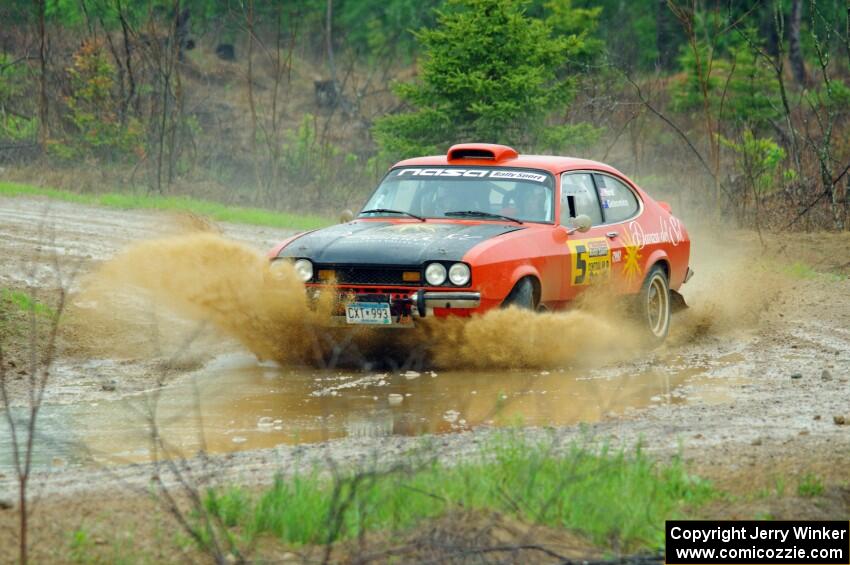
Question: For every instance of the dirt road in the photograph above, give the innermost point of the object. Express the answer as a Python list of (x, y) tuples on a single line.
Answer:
[(746, 388)]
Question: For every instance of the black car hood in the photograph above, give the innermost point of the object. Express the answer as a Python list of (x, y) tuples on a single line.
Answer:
[(385, 243)]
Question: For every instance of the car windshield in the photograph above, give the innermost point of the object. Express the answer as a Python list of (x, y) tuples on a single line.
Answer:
[(489, 193)]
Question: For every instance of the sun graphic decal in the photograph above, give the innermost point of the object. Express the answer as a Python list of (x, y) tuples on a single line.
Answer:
[(414, 228), (631, 262)]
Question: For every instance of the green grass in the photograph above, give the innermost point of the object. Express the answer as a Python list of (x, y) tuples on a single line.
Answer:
[(86, 549), (15, 321), (24, 303), (810, 486), (802, 271), (81, 546), (214, 210), (617, 499)]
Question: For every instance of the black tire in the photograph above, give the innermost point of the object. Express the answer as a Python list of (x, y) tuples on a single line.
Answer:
[(521, 296), (652, 306)]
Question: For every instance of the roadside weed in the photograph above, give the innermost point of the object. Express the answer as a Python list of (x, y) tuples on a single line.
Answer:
[(24, 302), (802, 271), (619, 497), (81, 546), (810, 486)]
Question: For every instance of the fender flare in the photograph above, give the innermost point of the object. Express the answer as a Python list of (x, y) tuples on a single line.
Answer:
[(658, 256), (527, 270)]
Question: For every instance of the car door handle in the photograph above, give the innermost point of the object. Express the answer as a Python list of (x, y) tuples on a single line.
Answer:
[(612, 234)]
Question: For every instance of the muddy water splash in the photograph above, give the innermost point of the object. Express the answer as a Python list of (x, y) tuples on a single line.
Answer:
[(591, 334), (201, 277), (736, 283), (207, 279)]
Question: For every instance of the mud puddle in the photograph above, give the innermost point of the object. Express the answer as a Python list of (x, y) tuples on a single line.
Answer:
[(235, 404)]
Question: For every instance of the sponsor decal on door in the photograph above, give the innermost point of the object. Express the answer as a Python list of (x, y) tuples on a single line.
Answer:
[(591, 260)]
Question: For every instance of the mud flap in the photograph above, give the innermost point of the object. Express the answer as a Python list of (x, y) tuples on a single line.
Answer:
[(677, 302)]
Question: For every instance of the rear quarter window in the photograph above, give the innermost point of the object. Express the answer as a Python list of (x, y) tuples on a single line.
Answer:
[(618, 201)]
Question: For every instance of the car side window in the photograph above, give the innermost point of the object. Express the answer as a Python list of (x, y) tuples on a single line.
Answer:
[(619, 203), (580, 186)]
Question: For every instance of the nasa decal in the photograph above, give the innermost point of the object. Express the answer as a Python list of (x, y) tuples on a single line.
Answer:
[(503, 174)]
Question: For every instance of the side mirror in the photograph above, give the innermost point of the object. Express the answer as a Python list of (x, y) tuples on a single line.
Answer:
[(582, 223), (666, 206), (346, 216)]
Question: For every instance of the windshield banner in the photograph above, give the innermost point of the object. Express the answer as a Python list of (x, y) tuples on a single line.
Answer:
[(496, 174)]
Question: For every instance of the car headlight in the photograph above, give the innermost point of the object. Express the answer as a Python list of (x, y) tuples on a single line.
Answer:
[(304, 268), (279, 268), (459, 274), (435, 274)]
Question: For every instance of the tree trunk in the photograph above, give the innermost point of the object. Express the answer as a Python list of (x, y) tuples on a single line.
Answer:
[(128, 62), (795, 52), (664, 41), (329, 40), (43, 131), (839, 207), (23, 554)]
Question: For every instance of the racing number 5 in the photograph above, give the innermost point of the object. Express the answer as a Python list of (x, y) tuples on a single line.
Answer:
[(580, 271)]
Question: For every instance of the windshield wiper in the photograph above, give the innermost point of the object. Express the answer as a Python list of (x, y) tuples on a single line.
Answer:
[(388, 211), (480, 214)]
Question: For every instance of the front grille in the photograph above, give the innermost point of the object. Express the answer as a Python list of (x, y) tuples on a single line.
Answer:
[(390, 275)]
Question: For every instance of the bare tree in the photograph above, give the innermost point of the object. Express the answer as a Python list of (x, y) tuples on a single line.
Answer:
[(795, 51), (704, 51), (267, 111), (827, 114), (42, 337), (329, 42), (43, 127), (664, 35), (205, 528), (162, 50), (128, 58), (249, 27)]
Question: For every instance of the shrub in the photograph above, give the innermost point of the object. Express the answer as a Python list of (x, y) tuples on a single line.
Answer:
[(100, 130), (491, 73), (737, 81), (15, 103)]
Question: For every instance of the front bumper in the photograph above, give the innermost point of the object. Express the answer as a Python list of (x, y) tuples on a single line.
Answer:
[(405, 305), (426, 301)]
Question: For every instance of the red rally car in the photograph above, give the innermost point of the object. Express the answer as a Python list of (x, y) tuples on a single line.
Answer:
[(483, 227)]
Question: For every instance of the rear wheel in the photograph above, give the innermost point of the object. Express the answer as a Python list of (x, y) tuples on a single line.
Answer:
[(522, 295), (653, 305)]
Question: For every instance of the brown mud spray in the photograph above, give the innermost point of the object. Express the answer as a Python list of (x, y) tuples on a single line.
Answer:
[(206, 279)]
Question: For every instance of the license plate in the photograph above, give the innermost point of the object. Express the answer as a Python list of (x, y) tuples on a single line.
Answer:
[(368, 313)]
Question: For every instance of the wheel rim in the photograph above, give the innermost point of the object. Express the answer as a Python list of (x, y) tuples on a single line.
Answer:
[(657, 306)]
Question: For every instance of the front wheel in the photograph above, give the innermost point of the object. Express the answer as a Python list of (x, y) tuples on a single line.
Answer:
[(653, 305)]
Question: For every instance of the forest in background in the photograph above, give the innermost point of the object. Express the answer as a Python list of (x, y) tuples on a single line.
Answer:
[(728, 109)]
